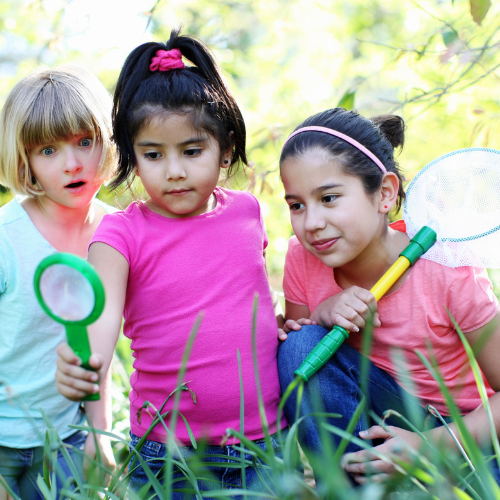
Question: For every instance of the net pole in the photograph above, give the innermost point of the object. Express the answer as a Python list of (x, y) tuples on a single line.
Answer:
[(329, 344)]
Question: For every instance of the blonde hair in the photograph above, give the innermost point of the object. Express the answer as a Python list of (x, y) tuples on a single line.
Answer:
[(50, 105)]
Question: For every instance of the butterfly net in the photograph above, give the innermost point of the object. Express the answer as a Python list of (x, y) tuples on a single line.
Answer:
[(458, 195)]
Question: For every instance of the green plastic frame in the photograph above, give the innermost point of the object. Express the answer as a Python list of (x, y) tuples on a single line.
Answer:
[(76, 331), (83, 267)]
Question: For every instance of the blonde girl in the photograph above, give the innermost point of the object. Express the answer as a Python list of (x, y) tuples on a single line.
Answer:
[(55, 154)]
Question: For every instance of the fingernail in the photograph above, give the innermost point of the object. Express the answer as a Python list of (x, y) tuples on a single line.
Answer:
[(94, 377), (363, 433), (355, 329)]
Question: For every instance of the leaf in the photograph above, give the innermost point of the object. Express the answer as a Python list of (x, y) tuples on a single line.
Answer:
[(479, 9), (347, 100), (449, 37)]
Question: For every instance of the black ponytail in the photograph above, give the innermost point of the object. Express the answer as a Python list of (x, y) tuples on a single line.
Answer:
[(142, 94), (380, 134)]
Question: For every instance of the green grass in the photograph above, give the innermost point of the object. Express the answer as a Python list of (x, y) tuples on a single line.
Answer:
[(430, 473)]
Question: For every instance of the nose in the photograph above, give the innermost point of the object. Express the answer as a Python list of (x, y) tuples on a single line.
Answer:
[(73, 163), (314, 219), (175, 170)]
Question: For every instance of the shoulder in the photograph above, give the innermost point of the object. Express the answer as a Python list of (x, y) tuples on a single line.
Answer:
[(239, 198), (104, 207), (11, 213)]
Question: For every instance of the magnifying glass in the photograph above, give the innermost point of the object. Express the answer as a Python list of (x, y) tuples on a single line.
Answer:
[(70, 291)]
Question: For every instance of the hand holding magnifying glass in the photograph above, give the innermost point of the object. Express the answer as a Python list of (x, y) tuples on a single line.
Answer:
[(71, 292)]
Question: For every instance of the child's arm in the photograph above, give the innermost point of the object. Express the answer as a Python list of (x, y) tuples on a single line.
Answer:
[(363, 462), (75, 382)]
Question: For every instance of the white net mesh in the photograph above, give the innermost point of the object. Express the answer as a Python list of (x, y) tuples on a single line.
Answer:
[(458, 195)]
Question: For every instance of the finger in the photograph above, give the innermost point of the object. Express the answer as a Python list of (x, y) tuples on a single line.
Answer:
[(371, 467), (86, 386), (282, 335), (376, 320), (340, 320), (358, 457), (366, 296), (363, 479), (67, 354), (76, 372), (305, 321), (71, 393), (95, 361), (291, 324), (376, 432)]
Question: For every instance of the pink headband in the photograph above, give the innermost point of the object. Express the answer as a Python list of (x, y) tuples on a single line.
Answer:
[(165, 60), (345, 138)]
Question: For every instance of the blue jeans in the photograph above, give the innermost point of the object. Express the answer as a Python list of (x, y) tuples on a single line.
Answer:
[(214, 477), (336, 389), (20, 466)]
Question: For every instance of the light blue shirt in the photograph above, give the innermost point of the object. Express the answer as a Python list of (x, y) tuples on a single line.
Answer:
[(28, 339)]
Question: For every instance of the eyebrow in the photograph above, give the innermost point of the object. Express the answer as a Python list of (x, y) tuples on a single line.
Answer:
[(183, 143), (318, 190)]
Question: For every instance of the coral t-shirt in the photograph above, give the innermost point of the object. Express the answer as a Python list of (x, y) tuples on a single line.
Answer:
[(213, 264), (412, 316)]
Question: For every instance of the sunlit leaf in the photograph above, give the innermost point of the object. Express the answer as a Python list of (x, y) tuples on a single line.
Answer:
[(347, 100), (449, 37), (479, 9)]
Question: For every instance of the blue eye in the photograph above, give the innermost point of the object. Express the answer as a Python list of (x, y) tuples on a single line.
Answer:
[(87, 142), (48, 151)]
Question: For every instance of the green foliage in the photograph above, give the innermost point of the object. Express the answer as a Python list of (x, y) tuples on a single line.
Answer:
[(435, 63)]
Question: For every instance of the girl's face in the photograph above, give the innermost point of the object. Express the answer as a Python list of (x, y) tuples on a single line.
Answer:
[(67, 169), (178, 166), (331, 214)]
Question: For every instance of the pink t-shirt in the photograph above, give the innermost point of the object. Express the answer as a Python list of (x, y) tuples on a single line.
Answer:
[(211, 263), (411, 316)]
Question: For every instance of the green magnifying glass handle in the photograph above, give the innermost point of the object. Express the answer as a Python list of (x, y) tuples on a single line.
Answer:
[(78, 340)]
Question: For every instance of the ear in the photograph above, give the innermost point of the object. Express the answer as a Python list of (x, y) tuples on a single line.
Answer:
[(388, 192), (227, 155)]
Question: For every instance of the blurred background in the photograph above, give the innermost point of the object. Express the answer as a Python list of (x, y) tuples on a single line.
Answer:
[(435, 63)]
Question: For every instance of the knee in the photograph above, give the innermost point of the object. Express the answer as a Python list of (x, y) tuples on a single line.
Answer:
[(295, 348)]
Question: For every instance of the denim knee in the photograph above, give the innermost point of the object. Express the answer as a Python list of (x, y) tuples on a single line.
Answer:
[(294, 350)]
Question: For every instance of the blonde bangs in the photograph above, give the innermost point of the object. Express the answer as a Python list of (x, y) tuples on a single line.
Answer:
[(56, 114)]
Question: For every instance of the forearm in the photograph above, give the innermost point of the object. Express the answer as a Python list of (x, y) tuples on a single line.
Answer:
[(99, 413), (476, 421)]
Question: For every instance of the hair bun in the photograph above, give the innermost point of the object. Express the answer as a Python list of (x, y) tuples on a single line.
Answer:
[(392, 127)]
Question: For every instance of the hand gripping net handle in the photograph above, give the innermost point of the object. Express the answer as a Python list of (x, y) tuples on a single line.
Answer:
[(329, 344)]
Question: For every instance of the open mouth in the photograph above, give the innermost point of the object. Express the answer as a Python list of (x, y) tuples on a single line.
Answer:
[(74, 185)]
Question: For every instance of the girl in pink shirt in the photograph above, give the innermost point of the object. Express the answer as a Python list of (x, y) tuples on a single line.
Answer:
[(191, 248), (341, 181)]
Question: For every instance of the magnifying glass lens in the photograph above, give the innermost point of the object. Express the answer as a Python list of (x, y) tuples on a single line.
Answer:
[(67, 292)]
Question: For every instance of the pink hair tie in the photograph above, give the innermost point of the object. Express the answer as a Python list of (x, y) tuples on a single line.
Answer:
[(345, 138), (165, 60)]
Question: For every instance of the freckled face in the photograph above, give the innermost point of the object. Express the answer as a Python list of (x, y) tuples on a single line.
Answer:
[(331, 214), (178, 166)]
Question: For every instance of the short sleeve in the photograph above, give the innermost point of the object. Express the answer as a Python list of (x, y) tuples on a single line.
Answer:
[(116, 231), (471, 300), (293, 280)]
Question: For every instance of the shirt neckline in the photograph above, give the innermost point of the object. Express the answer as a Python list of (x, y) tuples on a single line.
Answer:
[(219, 204)]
